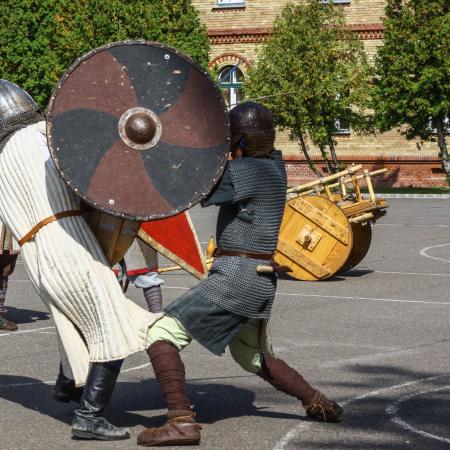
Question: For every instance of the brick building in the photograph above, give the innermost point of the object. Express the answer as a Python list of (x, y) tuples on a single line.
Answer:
[(238, 28)]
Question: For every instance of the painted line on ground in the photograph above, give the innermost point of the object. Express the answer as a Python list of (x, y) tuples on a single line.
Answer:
[(392, 410), (33, 330), (340, 297), (296, 431), (386, 272), (358, 298), (371, 357), (411, 225), (424, 251), (51, 383)]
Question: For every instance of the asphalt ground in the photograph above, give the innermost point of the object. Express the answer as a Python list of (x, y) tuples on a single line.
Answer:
[(375, 338)]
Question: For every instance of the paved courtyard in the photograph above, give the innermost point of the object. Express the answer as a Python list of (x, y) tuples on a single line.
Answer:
[(375, 338)]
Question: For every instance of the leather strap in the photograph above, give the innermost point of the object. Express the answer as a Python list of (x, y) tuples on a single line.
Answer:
[(219, 252), (46, 221)]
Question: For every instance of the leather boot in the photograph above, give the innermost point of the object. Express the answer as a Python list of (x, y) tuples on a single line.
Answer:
[(89, 421), (181, 427), (285, 379), (65, 390), (7, 325)]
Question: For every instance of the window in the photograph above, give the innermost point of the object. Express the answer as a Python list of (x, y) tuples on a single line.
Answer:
[(341, 126), (230, 3), (231, 80), (337, 2), (446, 126)]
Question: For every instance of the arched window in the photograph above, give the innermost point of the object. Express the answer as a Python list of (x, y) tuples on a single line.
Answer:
[(231, 80)]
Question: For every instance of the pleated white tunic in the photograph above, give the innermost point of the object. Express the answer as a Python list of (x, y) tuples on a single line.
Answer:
[(94, 320)]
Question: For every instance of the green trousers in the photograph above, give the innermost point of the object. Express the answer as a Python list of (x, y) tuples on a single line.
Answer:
[(246, 347)]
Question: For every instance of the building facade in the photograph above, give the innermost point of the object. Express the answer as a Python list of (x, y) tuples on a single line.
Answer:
[(238, 28)]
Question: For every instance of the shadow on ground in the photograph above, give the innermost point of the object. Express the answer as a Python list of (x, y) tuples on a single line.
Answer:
[(214, 402), (22, 316), (366, 423)]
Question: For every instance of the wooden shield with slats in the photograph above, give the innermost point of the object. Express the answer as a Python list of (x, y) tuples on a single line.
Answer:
[(315, 238)]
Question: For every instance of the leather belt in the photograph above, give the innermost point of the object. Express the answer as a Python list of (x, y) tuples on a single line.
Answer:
[(242, 254), (46, 221)]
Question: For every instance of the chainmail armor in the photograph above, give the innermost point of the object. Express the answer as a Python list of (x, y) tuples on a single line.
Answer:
[(10, 126), (250, 224)]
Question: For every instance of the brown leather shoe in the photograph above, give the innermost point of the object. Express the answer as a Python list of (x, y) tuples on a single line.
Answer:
[(323, 409), (6, 325), (182, 430)]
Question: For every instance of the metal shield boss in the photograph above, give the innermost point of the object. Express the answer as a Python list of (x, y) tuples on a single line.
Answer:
[(138, 130)]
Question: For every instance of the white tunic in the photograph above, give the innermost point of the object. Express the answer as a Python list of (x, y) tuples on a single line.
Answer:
[(95, 321)]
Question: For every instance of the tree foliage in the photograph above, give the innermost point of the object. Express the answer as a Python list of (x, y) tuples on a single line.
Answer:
[(40, 39), (312, 72), (412, 82)]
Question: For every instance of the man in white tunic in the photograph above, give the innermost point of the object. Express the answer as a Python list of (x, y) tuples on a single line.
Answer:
[(97, 325)]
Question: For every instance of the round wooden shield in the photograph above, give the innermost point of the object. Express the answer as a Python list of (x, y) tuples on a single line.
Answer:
[(138, 130), (315, 238), (362, 236)]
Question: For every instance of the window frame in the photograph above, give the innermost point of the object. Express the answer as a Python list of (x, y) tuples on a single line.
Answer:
[(337, 2), (233, 85), (230, 4)]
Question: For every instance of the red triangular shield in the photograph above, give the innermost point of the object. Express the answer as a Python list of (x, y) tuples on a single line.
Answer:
[(176, 239)]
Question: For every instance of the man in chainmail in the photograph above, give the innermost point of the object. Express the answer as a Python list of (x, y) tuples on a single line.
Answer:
[(8, 257), (232, 306)]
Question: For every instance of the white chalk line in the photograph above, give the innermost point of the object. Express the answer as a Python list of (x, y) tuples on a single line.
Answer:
[(392, 410), (33, 330), (358, 298), (384, 272), (412, 225), (294, 432), (339, 297), (424, 251), (51, 383)]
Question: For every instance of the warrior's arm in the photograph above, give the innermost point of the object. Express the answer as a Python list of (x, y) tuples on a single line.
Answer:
[(222, 193)]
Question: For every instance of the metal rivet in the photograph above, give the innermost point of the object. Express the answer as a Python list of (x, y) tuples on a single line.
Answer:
[(167, 56), (111, 201)]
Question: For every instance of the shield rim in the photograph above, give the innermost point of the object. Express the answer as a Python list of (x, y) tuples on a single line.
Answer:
[(49, 127)]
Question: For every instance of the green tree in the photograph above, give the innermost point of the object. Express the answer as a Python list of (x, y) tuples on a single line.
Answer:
[(312, 72), (40, 39), (412, 84)]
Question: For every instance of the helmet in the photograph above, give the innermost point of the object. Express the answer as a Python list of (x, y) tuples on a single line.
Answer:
[(252, 128), (14, 101)]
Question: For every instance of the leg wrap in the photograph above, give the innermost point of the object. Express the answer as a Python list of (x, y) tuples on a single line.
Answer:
[(153, 297), (170, 373), (285, 379), (3, 289)]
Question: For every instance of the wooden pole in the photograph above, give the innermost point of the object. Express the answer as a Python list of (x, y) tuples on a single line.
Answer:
[(325, 180)]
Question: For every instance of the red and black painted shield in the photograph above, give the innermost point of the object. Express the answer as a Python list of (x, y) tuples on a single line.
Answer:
[(138, 130)]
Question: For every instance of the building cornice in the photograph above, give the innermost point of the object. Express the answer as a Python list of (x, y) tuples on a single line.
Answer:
[(373, 159), (238, 35), (365, 31)]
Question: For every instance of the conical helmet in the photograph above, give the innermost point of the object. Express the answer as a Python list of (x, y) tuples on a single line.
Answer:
[(14, 101)]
